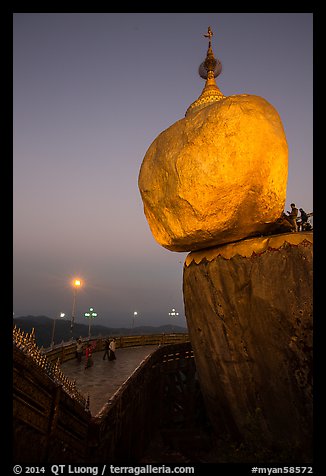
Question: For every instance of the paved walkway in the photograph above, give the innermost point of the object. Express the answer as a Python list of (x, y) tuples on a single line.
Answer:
[(102, 380)]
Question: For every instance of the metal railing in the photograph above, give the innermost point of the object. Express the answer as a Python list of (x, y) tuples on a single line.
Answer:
[(67, 350)]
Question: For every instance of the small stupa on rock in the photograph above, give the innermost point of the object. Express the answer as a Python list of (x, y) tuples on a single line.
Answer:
[(208, 70), (219, 174)]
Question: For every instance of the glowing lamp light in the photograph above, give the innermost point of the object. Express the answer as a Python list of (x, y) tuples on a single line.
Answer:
[(135, 314), (90, 314), (173, 313), (76, 284)]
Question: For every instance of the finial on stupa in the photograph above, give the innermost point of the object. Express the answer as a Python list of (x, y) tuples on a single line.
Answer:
[(209, 36), (209, 70)]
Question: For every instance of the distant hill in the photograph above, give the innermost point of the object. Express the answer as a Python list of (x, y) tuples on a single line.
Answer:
[(43, 326)]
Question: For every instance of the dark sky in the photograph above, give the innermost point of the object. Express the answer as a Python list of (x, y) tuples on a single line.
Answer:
[(91, 93)]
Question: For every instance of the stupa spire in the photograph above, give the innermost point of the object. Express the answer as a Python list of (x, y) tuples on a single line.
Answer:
[(209, 70)]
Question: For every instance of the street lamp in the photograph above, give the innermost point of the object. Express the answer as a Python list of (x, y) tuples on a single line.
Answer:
[(91, 314), (173, 313), (62, 315), (133, 318), (76, 284)]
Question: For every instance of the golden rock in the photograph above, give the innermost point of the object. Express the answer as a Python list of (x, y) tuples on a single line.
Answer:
[(216, 176), (219, 174)]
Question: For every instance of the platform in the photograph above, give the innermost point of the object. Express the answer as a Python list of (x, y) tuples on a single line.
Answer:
[(102, 380)]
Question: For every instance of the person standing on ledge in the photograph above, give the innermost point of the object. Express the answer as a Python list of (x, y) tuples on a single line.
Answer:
[(303, 220), (292, 216), (112, 350)]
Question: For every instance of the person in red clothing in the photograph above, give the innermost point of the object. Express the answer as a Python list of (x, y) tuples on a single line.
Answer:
[(88, 352)]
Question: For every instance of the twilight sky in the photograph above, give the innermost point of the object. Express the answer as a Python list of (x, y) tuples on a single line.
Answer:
[(91, 92)]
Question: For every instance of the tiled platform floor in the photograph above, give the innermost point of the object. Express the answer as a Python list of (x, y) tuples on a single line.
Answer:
[(102, 380)]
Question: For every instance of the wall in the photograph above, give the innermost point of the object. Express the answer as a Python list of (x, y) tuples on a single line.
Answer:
[(52, 425)]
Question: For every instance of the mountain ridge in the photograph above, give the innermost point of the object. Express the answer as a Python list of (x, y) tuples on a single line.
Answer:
[(44, 325)]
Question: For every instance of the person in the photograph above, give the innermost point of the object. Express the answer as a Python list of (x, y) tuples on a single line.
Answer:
[(79, 349), (292, 217), (88, 352), (303, 219), (107, 348), (112, 350)]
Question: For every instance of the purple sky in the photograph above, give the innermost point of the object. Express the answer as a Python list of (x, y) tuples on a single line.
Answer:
[(91, 93)]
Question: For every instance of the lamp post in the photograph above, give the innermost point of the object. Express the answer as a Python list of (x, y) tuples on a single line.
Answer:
[(62, 314), (133, 318), (91, 314), (173, 313), (76, 284)]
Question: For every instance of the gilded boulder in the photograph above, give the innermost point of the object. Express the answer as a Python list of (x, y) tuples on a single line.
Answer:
[(216, 176)]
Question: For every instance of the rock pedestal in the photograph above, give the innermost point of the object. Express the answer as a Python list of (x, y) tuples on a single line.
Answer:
[(249, 312)]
